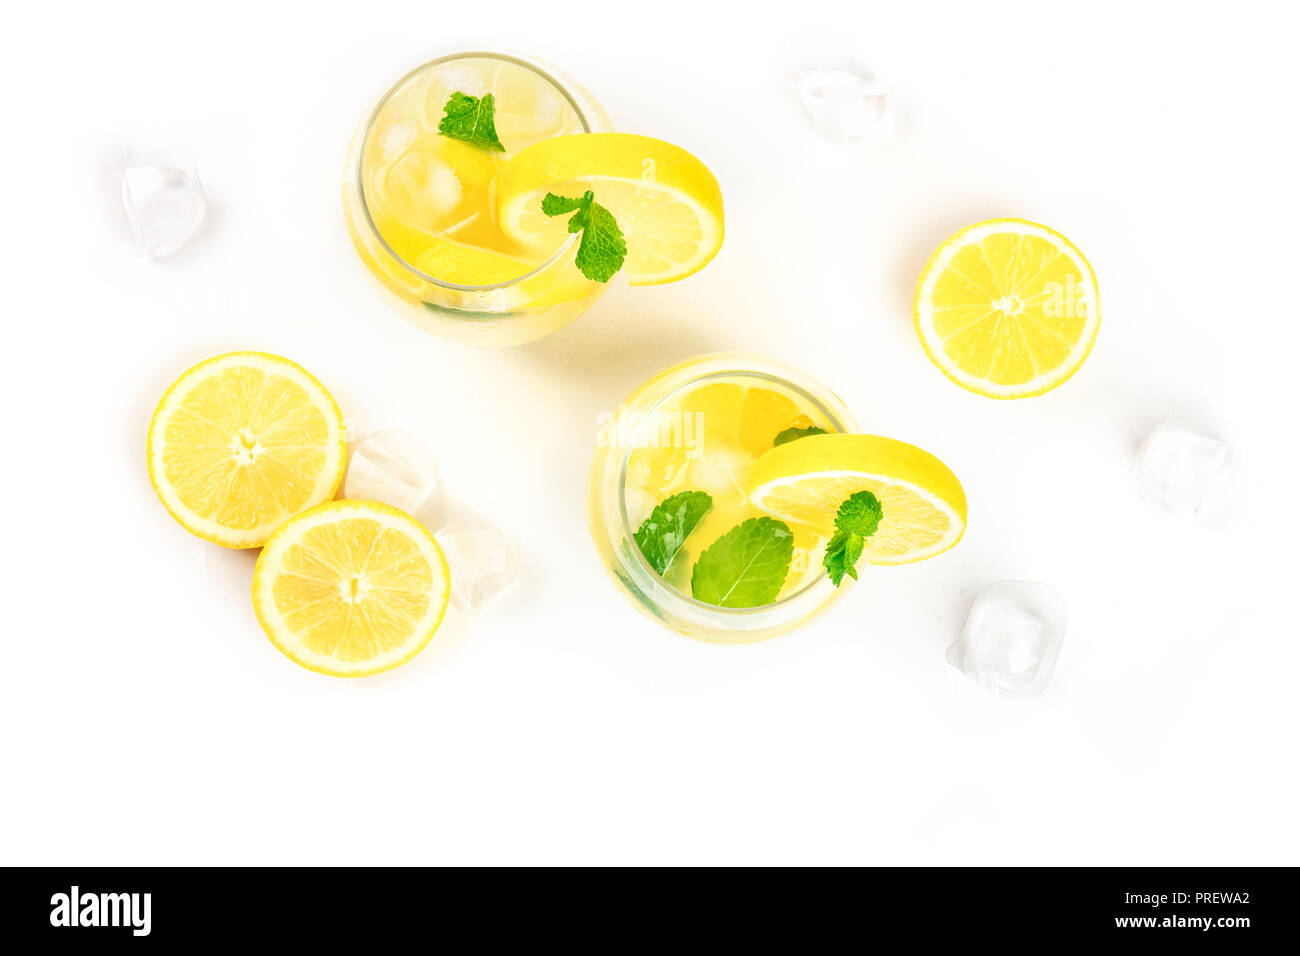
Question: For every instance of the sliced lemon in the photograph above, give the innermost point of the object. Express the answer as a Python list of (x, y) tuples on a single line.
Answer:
[(469, 265), (666, 201), (351, 588), (1007, 308), (805, 481), (749, 415), (241, 442)]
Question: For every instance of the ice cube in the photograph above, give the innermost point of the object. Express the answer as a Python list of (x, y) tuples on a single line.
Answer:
[(528, 108), (1011, 638), (471, 77), (393, 467), (1178, 469), (844, 107), (721, 473), (483, 561), (163, 199), (426, 190), (394, 134)]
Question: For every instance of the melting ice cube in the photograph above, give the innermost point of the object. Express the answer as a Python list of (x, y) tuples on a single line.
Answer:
[(1011, 638), (393, 467), (1179, 469), (427, 190), (721, 473), (484, 563), (844, 107), (163, 199)]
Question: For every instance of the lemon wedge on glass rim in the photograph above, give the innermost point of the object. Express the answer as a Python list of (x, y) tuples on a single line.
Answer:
[(1007, 308), (241, 442), (923, 504), (667, 203), (351, 588)]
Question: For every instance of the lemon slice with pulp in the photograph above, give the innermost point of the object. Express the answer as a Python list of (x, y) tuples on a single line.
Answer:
[(666, 201), (351, 588), (241, 442), (805, 481), (1007, 308)]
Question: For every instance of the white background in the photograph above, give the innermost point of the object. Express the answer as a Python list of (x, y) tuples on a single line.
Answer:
[(145, 717)]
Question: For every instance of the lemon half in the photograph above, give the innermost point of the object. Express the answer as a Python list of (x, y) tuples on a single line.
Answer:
[(351, 588), (241, 442), (1007, 308)]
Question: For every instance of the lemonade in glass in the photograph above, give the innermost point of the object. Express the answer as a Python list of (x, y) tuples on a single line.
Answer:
[(731, 499), (420, 204), (698, 429)]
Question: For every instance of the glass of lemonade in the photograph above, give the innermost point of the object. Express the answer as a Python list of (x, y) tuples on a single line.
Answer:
[(701, 426), (420, 205)]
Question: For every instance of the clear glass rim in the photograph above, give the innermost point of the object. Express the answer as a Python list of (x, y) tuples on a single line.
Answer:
[(359, 174), (703, 607)]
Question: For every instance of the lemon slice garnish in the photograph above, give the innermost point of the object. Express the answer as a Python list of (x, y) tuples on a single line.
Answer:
[(805, 481), (666, 201)]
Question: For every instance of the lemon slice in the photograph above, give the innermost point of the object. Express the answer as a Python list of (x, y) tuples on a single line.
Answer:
[(468, 265), (351, 588), (666, 201), (1007, 308), (805, 481), (241, 442)]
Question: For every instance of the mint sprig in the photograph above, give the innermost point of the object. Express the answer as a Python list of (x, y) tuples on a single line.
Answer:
[(857, 520), (746, 567), (794, 434), (603, 248), (470, 119), (662, 534)]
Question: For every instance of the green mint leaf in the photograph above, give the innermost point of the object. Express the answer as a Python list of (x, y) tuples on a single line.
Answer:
[(669, 525), (603, 248), (860, 514), (857, 520), (793, 434), (554, 205), (842, 553), (746, 567), (469, 118)]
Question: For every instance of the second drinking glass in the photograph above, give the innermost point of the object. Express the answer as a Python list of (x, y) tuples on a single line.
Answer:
[(690, 437)]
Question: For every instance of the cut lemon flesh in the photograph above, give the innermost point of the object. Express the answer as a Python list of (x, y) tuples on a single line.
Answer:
[(351, 588), (1007, 308), (469, 265), (805, 481), (241, 442), (666, 201)]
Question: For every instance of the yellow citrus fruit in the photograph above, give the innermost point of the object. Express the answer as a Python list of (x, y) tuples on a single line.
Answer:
[(805, 481), (351, 588), (746, 415), (241, 442), (666, 201), (1007, 308), (468, 265)]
